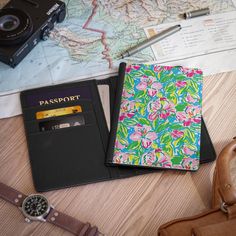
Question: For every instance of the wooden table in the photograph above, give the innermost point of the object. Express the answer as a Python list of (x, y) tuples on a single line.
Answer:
[(132, 206)]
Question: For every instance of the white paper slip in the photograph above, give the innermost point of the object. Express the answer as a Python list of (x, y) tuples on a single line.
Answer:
[(199, 36)]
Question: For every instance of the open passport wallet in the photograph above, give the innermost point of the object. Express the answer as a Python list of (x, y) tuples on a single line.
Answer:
[(67, 128)]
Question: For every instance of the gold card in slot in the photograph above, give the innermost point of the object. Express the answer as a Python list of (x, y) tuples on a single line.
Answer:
[(62, 111)]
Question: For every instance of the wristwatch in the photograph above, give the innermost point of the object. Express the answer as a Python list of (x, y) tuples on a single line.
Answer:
[(36, 207)]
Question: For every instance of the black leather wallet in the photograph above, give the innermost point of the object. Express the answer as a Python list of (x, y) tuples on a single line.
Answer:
[(75, 155)]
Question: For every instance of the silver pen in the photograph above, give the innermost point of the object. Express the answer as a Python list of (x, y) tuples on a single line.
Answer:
[(150, 41), (200, 12)]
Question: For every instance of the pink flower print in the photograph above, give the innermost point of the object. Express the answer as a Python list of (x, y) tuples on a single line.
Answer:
[(177, 133), (197, 120), (188, 151), (189, 98), (125, 94), (167, 110), (149, 158), (130, 67), (161, 108), (190, 163), (199, 72), (190, 72), (136, 136), (180, 84), (184, 70), (139, 127), (154, 88), (119, 145), (165, 161), (143, 134), (181, 116), (142, 85), (149, 84), (120, 157), (153, 110), (192, 115), (157, 68), (127, 110), (148, 138), (193, 111), (158, 150), (163, 99), (167, 67), (187, 123)]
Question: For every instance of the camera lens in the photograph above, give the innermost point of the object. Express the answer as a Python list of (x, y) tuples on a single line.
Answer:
[(9, 22), (15, 26)]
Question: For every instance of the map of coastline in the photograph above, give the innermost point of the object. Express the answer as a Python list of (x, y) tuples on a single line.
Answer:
[(94, 34)]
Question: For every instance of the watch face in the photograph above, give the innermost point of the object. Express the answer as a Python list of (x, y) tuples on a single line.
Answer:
[(35, 206)]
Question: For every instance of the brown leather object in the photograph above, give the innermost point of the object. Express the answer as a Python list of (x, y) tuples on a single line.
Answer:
[(71, 224), (227, 228), (11, 195), (223, 190), (54, 217), (221, 219)]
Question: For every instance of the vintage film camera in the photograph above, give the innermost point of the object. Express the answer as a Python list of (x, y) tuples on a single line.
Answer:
[(23, 23)]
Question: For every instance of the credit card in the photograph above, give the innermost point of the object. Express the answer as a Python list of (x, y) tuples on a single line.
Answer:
[(58, 112), (64, 122)]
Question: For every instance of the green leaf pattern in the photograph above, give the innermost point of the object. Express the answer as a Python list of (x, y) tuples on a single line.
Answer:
[(160, 117)]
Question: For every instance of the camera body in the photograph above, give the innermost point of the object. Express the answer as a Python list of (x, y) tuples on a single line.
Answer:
[(23, 23)]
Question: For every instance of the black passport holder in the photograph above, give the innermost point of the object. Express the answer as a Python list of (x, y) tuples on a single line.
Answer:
[(76, 155)]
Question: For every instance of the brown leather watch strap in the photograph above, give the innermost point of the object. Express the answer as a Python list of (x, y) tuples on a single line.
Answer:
[(54, 217), (11, 195), (71, 224)]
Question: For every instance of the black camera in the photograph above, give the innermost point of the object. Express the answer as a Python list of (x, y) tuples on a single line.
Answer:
[(23, 23)]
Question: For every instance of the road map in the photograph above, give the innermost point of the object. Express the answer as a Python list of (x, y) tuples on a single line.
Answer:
[(91, 38)]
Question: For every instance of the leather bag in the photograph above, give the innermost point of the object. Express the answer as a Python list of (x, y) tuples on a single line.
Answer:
[(221, 219)]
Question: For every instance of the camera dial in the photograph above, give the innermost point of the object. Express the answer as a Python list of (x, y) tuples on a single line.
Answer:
[(45, 33), (61, 16)]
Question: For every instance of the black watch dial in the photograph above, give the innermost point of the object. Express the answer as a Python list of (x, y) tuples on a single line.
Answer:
[(35, 206)]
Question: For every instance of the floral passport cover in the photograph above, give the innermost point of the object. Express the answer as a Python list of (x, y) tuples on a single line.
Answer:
[(160, 117)]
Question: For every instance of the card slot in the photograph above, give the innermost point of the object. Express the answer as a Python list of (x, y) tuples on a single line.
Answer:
[(62, 130), (34, 126), (62, 157), (30, 114)]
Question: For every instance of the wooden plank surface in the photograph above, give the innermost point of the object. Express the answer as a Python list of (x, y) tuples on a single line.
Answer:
[(132, 206)]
